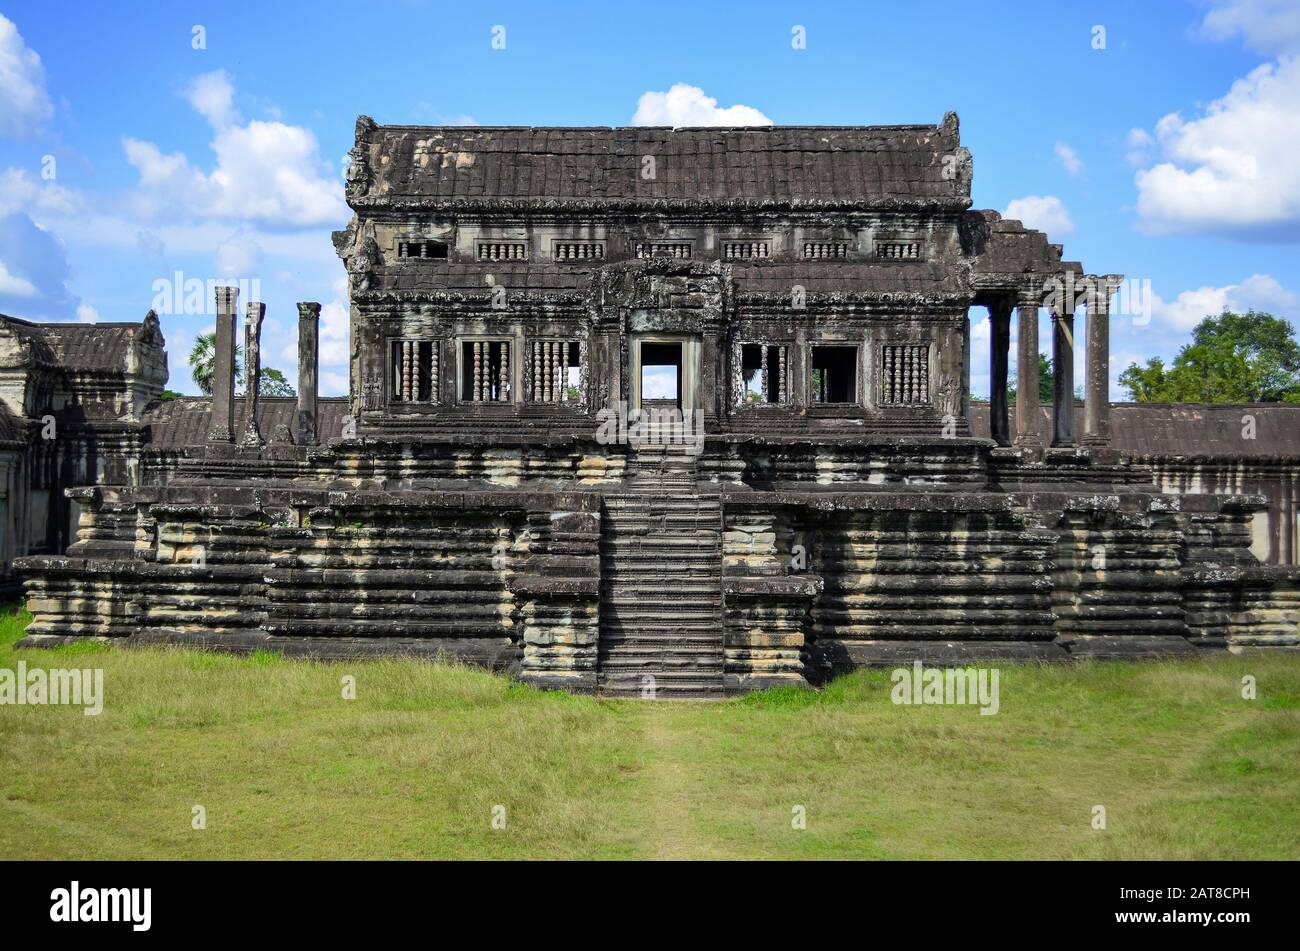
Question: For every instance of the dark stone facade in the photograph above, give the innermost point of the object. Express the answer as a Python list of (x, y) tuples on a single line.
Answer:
[(680, 412)]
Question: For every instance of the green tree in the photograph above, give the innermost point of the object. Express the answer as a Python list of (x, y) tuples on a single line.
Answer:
[(273, 383), (202, 363), (1232, 358), (1045, 381)]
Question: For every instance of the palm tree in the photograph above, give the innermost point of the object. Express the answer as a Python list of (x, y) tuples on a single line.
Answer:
[(202, 362)]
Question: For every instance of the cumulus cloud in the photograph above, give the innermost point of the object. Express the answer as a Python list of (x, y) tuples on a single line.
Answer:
[(1044, 213), (1267, 26), (20, 192), (1139, 143), (1233, 169), (267, 173), (213, 96), (238, 257), (1258, 292), (1069, 158), (24, 102), (685, 105), (14, 286), (34, 271)]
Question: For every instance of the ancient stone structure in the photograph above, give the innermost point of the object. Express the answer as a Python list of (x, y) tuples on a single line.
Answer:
[(680, 412), (73, 402)]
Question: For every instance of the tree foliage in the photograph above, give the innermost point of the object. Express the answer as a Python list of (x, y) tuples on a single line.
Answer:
[(1232, 358)]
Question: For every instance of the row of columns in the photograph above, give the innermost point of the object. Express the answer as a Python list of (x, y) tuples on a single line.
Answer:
[(222, 426), (1061, 302)]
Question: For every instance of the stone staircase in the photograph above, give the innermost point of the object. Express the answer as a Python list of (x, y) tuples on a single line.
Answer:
[(661, 582)]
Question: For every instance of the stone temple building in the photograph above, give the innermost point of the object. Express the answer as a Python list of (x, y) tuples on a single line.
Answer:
[(682, 411)]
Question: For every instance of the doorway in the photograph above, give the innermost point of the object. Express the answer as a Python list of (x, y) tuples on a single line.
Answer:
[(661, 375), (664, 373)]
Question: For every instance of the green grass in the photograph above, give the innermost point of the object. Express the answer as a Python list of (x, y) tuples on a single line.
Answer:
[(285, 767)]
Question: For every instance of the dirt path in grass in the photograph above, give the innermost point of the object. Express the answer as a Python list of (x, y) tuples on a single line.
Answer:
[(669, 829)]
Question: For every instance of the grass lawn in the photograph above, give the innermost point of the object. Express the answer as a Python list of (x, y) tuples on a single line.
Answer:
[(413, 767)]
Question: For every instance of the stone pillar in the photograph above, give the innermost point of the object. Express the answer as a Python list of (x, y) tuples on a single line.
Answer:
[(223, 370), (307, 433), (1096, 408), (252, 371), (999, 347), (1027, 372), (1063, 370)]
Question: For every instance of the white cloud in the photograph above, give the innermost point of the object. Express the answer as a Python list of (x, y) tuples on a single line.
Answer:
[(20, 192), (14, 285), (87, 314), (1068, 158), (1259, 291), (333, 384), (1234, 169), (24, 102), (34, 271), (684, 105), (1044, 213), (213, 96), (335, 326), (239, 257), (1139, 144), (267, 173), (1267, 26)]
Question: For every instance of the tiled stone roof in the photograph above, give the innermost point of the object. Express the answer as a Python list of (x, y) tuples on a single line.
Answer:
[(178, 423), (862, 165)]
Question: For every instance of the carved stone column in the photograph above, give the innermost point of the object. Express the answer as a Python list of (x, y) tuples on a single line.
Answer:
[(1027, 371), (1096, 409), (999, 347), (308, 430), (252, 371), (223, 369), (1063, 370)]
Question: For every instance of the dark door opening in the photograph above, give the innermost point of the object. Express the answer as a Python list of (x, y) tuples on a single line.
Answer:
[(834, 374), (661, 375)]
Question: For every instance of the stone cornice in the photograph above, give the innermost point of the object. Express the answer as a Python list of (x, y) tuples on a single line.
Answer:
[(587, 206)]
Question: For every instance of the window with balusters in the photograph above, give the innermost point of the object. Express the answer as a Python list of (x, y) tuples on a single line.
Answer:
[(503, 251), (414, 370), (904, 374), (663, 249), (899, 250), (554, 371), (578, 250), (485, 371), (825, 250), (421, 249), (745, 250), (763, 373)]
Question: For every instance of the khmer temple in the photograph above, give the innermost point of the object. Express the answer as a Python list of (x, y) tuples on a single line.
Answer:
[(671, 412)]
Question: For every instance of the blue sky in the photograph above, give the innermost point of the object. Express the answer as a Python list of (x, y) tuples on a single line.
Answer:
[(1159, 140)]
